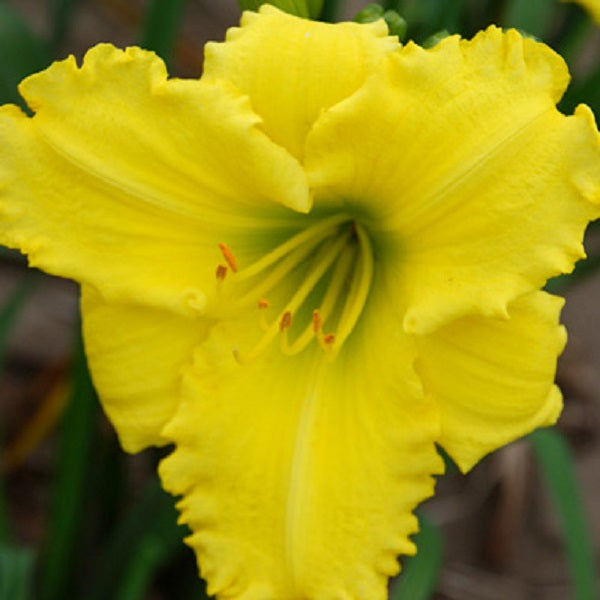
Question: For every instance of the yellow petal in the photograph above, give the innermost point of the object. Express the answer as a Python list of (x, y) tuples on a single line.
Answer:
[(136, 355), (124, 179), (293, 68), (298, 474), (459, 155), (493, 378)]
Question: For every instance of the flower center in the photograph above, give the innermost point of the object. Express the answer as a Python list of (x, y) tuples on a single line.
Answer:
[(320, 277)]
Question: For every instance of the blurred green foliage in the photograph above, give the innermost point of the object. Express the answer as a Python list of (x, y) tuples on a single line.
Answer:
[(420, 572), (302, 8), (21, 52), (556, 463)]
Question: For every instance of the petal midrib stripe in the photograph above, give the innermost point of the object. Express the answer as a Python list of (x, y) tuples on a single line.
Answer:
[(296, 506)]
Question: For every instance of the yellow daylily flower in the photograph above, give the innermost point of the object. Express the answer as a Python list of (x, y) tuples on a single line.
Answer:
[(306, 269)]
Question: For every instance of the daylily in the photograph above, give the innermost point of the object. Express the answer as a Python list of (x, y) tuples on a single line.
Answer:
[(305, 270)]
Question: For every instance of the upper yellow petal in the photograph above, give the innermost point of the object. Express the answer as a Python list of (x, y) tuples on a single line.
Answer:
[(293, 68), (299, 475), (127, 181), (458, 156), (494, 378)]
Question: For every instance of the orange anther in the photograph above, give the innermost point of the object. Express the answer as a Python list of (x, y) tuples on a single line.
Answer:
[(221, 272), (263, 303), (286, 321), (316, 320), (228, 256), (329, 338)]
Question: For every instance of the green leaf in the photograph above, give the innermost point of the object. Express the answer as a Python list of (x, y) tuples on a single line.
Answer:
[(420, 574), (147, 557), (161, 26), (556, 462), (330, 10), (21, 53), (70, 478), (16, 572), (113, 558), (315, 8), (143, 540), (159, 542)]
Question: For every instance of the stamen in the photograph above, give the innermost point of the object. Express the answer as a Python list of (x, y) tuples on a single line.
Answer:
[(285, 321), (323, 260), (316, 321), (284, 325), (321, 265), (328, 246), (221, 272), (228, 256), (334, 290), (278, 273), (263, 304)]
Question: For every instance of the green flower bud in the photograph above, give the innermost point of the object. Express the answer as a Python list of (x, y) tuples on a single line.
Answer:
[(435, 38), (369, 13), (372, 12), (396, 24)]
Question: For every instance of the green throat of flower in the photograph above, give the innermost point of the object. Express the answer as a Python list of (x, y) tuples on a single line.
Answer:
[(317, 280)]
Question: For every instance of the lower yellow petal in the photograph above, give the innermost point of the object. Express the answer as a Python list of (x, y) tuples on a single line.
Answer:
[(494, 378), (298, 474), (136, 355)]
